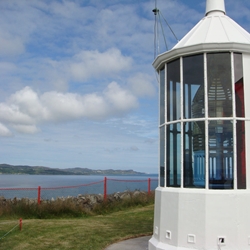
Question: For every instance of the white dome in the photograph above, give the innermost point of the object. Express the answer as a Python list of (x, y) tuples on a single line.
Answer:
[(215, 27), (215, 32)]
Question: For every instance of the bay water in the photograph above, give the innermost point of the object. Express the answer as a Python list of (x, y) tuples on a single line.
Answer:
[(53, 186)]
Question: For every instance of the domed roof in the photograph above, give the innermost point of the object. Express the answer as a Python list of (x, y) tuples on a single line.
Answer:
[(215, 27), (215, 32)]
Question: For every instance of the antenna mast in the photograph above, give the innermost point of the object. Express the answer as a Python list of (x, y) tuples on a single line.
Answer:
[(156, 31), (158, 16)]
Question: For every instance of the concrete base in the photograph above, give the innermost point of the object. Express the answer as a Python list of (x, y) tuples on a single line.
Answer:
[(153, 244), (187, 219)]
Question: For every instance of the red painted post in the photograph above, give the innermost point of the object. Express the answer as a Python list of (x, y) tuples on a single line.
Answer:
[(20, 224), (149, 185), (105, 189), (39, 195)]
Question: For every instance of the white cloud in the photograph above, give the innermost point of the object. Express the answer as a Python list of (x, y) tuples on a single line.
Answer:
[(66, 9), (120, 99), (4, 131), (27, 102), (26, 109), (88, 64), (61, 106), (81, 67), (141, 85), (95, 106), (10, 113), (26, 129)]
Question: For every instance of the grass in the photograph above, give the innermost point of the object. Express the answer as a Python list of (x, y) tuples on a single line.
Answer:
[(108, 223), (90, 233)]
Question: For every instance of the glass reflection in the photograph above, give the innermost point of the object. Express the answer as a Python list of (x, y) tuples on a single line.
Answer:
[(194, 154), (162, 156), (173, 91), (241, 155), (193, 90), (220, 154), (173, 155), (162, 96), (240, 126), (219, 85)]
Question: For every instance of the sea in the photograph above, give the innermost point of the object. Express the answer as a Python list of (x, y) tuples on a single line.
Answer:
[(54, 186)]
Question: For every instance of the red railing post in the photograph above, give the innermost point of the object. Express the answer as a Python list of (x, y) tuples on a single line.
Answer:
[(149, 185), (105, 189), (20, 224), (39, 195)]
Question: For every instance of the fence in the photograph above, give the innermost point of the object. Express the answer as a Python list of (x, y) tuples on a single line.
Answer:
[(105, 186)]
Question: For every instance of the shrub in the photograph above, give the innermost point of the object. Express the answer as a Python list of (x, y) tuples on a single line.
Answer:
[(73, 207)]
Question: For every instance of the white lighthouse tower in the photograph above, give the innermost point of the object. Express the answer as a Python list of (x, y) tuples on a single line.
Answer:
[(203, 197)]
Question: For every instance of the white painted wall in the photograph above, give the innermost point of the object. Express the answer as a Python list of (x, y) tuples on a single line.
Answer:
[(201, 216)]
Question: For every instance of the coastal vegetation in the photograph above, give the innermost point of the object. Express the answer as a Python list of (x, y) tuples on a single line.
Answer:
[(73, 207), (67, 226)]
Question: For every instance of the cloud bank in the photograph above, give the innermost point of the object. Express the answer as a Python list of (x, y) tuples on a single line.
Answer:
[(26, 109)]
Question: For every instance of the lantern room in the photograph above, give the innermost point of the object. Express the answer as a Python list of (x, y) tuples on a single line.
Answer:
[(203, 197)]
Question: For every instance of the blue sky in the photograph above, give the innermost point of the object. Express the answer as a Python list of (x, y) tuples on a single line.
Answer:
[(77, 84)]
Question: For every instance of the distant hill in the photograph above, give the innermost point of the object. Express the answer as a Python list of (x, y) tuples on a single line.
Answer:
[(39, 170)]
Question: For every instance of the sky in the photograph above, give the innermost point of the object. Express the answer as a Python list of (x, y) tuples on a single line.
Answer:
[(77, 86)]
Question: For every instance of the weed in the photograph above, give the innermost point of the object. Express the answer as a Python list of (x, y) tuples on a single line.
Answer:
[(69, 208)]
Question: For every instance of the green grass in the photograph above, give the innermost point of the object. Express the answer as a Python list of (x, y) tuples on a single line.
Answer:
[(67, 225), (88, 233)]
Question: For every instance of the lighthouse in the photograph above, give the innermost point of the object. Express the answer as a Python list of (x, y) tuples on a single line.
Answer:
[(203, 197)]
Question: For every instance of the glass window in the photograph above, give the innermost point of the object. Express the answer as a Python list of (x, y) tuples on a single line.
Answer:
[(240, 126), (194, 154), (162, 156), (173, 155), (241, 155), (186, 139), (219, 85), (162, 96), (220, 154), (173, 91), (193, 90)]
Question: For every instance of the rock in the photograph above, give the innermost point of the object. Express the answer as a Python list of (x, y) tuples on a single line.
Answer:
[(2, 198), (88, 201), (117, 196), (136, 193), (125, 196)]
